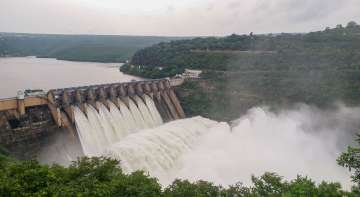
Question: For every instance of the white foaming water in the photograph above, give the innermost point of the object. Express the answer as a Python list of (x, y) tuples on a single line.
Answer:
[(139, 120), (144, 110), (288, 143), (99, 129), (304, 141), (108, 123), (89, 142), (154, 112), (157, 150), (119, 120), (94, 120), (127, 115)]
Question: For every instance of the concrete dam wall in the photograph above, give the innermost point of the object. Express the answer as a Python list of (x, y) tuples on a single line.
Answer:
[(28, 120)]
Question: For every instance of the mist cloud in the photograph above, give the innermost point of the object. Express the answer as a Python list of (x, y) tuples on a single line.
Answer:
[(302, 141)]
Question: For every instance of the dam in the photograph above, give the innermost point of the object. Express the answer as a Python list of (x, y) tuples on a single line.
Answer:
[(127, 107), (141, 124)]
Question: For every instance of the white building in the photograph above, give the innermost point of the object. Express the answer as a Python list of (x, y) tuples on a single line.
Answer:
[(189, 73)]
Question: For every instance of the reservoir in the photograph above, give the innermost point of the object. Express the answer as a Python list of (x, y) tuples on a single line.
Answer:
[(21, 73)]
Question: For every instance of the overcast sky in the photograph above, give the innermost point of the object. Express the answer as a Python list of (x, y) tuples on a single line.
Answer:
[(174, 17)]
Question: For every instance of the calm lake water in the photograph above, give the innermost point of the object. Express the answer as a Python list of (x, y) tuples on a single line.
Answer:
[(20, 73)]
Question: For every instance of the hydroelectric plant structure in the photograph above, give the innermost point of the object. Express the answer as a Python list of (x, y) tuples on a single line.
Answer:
[(107, 113)]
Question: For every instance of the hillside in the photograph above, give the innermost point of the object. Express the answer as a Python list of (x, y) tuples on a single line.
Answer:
[(76, 47), (242, 71)]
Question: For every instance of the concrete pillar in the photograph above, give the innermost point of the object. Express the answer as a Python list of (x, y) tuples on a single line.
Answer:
[(163, 110), (113, 95), (176, 103), (131, 93), (67, 124), (91, 98), (139, 91), (80, 100), (121, 91), (123, 95), (167, 100), (170, 105), (131, 90), (67, 106), (54, 109), (147, 90), (159, 102), (102, 95), (21, 102), (174, 99)]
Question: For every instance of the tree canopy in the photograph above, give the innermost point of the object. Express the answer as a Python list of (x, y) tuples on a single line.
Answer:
[(335, 48), (242, 71), (99, 176), (97, 48)]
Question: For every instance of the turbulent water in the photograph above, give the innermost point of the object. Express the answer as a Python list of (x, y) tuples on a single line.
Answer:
[(98, 129), (303, 141), (157, 150)]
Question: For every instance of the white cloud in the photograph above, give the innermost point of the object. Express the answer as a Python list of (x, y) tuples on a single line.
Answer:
[(173, 17)]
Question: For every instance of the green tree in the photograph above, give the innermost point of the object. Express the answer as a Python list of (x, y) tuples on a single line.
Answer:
[(96, 176), (301, 186), (351, 24), (351, 160), (330, 190), (268, 185), (181, 188), (237, 190)]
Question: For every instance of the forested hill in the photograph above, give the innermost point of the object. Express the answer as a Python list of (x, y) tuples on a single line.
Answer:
[(98, 48), (336, 48), (243, 71)]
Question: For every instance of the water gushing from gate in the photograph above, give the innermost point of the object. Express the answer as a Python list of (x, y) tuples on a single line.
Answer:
[(101, 127)]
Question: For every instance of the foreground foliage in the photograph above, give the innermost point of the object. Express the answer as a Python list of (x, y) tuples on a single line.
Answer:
[(351, 160), (86, 177), (102, 177)]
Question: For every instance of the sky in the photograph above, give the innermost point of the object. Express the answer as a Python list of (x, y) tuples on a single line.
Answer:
[(174, 17)]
